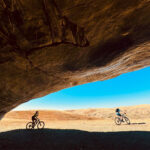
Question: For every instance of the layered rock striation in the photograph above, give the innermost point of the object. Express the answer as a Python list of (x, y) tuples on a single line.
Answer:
[(49, 45)]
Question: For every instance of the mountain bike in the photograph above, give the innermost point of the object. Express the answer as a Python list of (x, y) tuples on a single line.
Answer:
[(38, 123), (124, 118)]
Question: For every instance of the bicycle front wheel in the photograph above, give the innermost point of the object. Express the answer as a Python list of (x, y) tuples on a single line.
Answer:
[(117, 121), (29, 125), (41, 125), (127, 120)]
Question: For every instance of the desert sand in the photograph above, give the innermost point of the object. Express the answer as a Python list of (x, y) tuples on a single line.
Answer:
[(78, 129)]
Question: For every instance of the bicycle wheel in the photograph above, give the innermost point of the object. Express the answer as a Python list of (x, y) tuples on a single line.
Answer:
[(29, 125), (117, 121), (41, 125), (127, 120)]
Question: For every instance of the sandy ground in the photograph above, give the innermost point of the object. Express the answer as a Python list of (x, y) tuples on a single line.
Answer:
[(75, 135), (105, 125), (92, 120)]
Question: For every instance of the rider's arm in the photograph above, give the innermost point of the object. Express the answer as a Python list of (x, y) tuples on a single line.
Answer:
[(37, 118)]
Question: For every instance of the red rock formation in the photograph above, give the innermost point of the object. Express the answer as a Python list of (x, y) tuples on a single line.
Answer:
[(49, 45)]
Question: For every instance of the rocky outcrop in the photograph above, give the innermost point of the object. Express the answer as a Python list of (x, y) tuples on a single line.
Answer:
[(49, 45)]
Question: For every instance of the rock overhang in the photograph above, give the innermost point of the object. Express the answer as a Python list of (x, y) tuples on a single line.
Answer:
[(49, 45)]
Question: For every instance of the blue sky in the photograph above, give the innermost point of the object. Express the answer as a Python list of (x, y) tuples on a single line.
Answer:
[(127, 89)]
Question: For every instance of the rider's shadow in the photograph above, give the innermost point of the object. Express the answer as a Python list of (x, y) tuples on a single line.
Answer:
[(137, 123)]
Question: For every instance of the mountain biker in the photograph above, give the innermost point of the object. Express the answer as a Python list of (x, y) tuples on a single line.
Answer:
[(119, 114), (34, 118)]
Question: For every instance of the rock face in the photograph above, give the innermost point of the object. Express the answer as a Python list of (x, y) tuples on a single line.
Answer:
[(49, 45)]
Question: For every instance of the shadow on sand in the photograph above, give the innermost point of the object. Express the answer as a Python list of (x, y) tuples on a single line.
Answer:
[(138, 123), (53, 139), (135, 123)]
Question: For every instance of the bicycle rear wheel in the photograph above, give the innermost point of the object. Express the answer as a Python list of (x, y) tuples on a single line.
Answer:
[(41, 125), (29, 125), (127, 120), (117, 121)]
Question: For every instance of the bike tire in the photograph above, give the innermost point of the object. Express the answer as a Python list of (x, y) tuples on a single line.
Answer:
[(117, 121), (41, 125), (29, 125), (127, 120)]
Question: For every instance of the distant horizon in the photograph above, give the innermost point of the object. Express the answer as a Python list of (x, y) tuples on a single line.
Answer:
[(128, 89), (79, 108)]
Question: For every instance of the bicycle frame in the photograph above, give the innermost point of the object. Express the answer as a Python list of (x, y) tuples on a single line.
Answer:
[(122, 116), (37, 121)]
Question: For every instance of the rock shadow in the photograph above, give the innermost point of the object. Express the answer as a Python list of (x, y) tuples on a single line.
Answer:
[(56, 139)]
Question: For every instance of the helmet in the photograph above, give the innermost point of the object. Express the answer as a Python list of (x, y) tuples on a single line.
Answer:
[(117, 110), (36, 112)]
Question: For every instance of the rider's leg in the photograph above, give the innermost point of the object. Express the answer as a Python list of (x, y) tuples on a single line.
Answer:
[(122, 118), (33, 124)]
